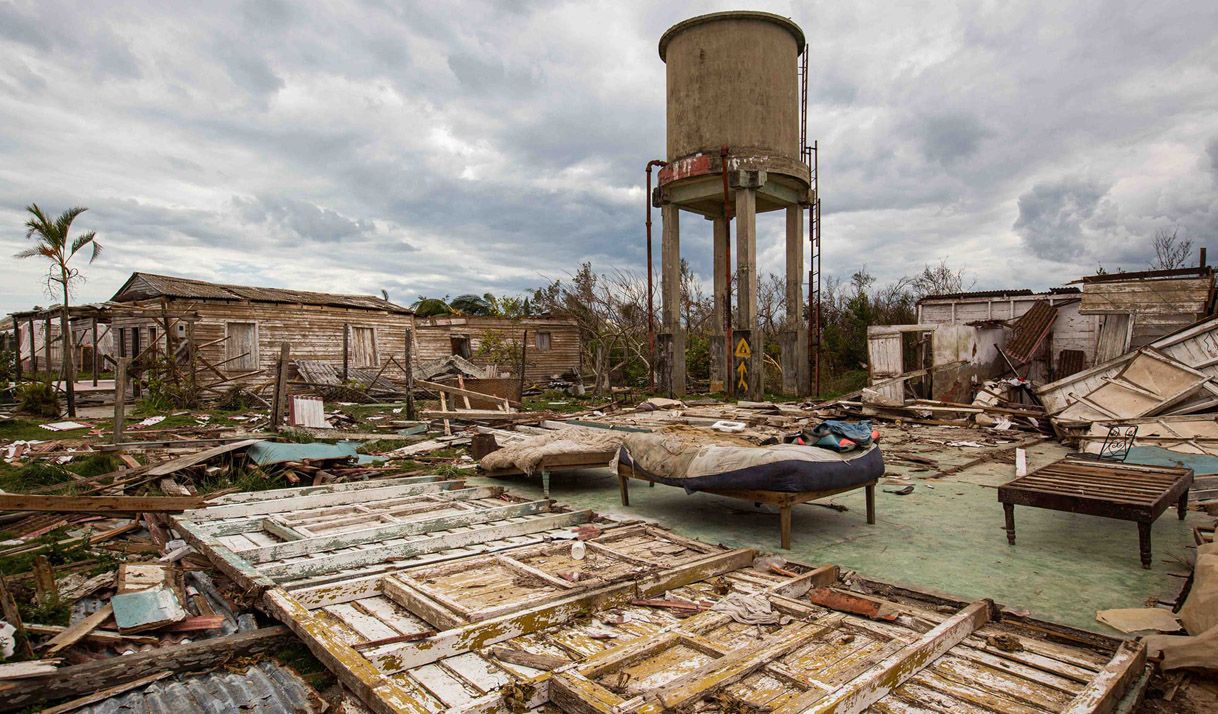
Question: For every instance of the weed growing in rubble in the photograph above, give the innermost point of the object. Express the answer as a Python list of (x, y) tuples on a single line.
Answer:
[(294, 436), (38, 474), (52, 612)]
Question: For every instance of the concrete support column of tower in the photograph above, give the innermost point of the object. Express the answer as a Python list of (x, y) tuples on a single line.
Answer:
[(794, 338), (672, 372), (746, 282), (719, 368)]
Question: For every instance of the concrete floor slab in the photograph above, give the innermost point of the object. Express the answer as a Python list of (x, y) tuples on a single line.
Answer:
[(946, 536)]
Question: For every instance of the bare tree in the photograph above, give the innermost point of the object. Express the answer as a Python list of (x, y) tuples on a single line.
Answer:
[(1170, 251), (937, 280)]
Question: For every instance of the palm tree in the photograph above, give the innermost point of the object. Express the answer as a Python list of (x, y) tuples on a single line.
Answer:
[(54, 242)]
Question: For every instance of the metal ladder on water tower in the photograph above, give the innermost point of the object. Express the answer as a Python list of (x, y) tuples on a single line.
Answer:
[(810, 155)]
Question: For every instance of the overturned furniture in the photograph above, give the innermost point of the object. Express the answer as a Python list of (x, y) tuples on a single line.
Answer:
[(781, 476), (1098, 488), (516, 614)]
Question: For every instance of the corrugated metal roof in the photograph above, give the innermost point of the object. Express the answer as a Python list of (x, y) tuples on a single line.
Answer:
[(978, 294), (982, 294), (265, 688), (1030, 331), (142, 286)]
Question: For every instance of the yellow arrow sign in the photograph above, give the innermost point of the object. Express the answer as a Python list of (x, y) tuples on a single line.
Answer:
[(742, 349), (742, 384), (742, 369)]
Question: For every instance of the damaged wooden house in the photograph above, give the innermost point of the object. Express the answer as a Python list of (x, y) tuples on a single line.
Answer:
[(962, 340)]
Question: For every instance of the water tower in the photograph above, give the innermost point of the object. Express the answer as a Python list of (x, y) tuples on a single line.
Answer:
[(735, 148)]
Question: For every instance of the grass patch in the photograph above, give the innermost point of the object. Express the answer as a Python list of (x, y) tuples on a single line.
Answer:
[(38, 474), (28, 430), (56, 551)]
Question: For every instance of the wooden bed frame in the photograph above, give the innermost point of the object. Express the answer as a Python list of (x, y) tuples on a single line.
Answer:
[(784, 500)]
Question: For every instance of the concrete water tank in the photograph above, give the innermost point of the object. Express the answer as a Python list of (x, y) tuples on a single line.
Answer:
[(733, 80)]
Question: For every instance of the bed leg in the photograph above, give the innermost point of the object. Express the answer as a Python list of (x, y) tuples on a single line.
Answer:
[(621, 483), (870, 503), (784, 518)]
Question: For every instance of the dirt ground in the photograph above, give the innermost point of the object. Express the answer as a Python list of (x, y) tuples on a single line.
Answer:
[(1194, 694)]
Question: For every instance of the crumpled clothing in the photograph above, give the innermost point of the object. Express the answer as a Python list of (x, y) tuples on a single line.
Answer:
[(752, 609)]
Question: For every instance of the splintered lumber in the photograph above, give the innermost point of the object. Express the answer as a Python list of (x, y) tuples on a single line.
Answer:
[(536, 660), (81, 679), (104, 505), (35, 668), (197, 458), (75, 633), (462, 392), (481, 415), (104, 637), (105, 694)]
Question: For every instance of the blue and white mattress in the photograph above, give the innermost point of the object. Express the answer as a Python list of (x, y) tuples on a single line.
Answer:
[(691, 461)]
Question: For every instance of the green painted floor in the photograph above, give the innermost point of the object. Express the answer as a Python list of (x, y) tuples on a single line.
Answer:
[(946, 536)]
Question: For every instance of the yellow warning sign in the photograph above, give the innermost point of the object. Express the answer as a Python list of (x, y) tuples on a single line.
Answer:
[(742, 349)]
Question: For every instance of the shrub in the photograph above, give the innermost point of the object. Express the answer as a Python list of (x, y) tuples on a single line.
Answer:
[(38, 398)]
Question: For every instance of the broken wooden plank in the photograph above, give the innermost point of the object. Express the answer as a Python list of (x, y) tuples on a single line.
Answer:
[(89, 677), (76, 632), (524, 658), (32, 668), (103, 694), (462, 392), (1103, 693), (105, 505), (104, 637), (168, 467)]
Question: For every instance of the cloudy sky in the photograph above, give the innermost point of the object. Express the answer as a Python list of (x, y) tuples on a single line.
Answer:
[(448, 147)]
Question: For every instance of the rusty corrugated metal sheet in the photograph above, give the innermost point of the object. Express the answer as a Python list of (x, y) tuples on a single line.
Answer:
[(141, 286), (1070, 362), (265, 688), (1030, 331)]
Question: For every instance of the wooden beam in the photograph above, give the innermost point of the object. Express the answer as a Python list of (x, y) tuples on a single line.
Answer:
[(480, 415), (98, 504), (120, 398), (461, 392), (279, 405), (174, 465), (1103, 693), (89, 677), (106, 693)]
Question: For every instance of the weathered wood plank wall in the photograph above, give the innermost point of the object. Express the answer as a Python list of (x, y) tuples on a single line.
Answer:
[(433, 339), (314, 332)]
